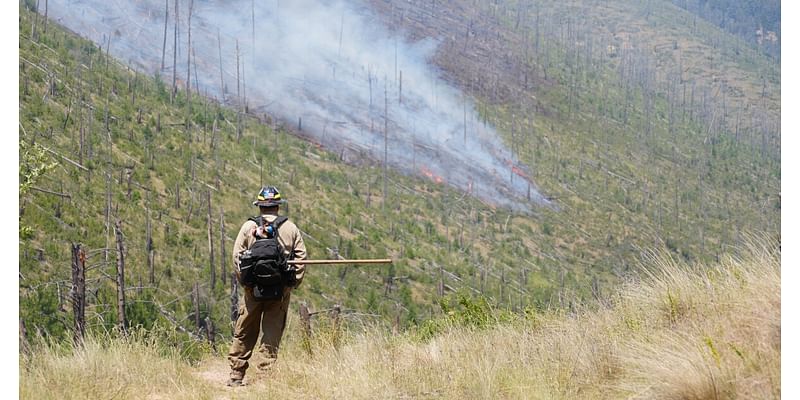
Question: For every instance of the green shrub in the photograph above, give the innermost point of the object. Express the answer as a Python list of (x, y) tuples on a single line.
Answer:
[(461, 310)]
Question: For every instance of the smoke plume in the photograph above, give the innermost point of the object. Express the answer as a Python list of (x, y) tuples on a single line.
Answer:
[(328, 66)]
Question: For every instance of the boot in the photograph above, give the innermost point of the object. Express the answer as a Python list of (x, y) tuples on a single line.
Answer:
[(236, 379)]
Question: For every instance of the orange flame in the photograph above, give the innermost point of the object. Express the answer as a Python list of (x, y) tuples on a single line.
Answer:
[(431, 175), (519, 172)]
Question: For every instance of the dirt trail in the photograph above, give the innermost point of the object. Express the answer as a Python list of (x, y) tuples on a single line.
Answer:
[(215, 373)]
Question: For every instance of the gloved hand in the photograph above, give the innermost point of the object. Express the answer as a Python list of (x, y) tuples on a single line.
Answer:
[(291, 277)]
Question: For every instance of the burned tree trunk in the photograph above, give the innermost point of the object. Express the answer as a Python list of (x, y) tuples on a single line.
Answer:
[(440, 286), (221, 80), (78, 292), (81, 138), (305, 320), (23, 333), (238, 80), (128, 179), (210, 333), (120, 277), (400, 90), (191, 205), (238, 98), (222, 245), (44, 20), (244, 108), (108, 187), (335, 313), (196, 304), (166, 21), (149, 249), (253, 25), (35, 21), (385, 138), (189, 52), (175, 55), (211, 265)]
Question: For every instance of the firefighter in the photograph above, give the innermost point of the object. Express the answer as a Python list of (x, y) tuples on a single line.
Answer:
[(265, 316)]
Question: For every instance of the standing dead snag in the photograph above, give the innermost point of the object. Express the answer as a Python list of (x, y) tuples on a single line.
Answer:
[(244, 107), (23, 333), (211, 265), (120, 277), (238, 98), (44, 20), (78, 292), (253, 24), (35, 21), (189, 73), (335, 312), (177, 195), (189, 52), (108, 184), (128, 179), (440, 286), (400, 91), (175, 55), (166, 21), (222, 246), (221, 80), (196, 304), (305, 319), (210, 333), (149, 249), (385, 138)]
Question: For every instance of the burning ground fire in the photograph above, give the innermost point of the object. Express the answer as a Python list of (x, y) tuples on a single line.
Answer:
[(428, 173)]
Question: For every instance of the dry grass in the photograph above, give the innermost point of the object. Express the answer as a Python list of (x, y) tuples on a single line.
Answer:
[(107, 368), (684, 332), (721, 327)]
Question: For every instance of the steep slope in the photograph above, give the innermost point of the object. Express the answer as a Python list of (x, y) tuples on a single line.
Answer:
[(163, 168), (648, 127), (633, 158)]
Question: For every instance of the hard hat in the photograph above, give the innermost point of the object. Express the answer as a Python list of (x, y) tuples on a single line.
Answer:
[(268, 196)]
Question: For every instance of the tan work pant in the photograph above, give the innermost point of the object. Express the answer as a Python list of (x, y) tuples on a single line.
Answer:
[(269, 317)]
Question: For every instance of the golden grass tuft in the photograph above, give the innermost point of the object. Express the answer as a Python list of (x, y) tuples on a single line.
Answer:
[(108, 367), (715, 332)]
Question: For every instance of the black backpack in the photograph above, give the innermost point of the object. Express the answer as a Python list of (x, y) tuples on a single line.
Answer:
[(263, 266)]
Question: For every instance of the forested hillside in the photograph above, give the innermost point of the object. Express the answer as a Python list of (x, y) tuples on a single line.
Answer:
[(646, 128), (178, 189), (649, 127), (756, 22)]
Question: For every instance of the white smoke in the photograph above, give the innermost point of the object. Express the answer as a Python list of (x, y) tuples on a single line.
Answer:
[(328, 65)]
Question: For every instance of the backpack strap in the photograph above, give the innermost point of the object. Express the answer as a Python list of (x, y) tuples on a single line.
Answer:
[(259, 220), (279, 221)]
